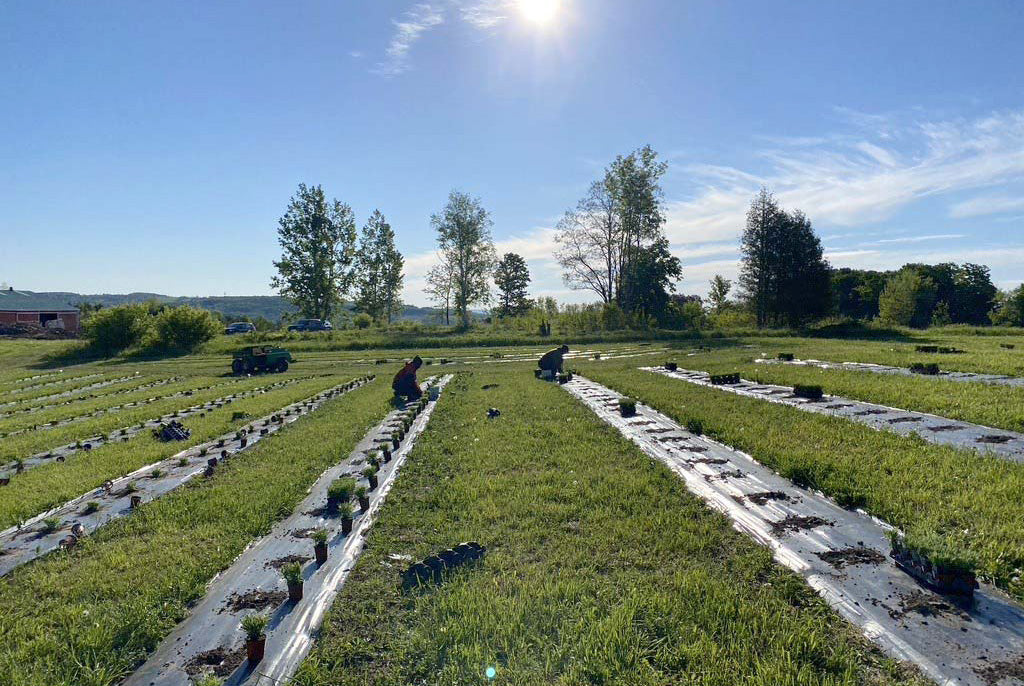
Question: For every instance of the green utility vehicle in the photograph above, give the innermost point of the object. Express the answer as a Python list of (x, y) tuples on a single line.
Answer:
[(260, 358)]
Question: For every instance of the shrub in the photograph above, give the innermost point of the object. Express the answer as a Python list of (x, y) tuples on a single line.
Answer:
[(114, 329), (320, 536), (51, 524), (255, 624), (362, 321), (185, 328), (292, 573), (342, 489)]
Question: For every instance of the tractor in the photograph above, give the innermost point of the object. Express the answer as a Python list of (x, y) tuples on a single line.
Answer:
[(260, 358)]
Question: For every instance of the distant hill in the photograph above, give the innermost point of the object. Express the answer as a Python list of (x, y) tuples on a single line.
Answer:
[(272, 307)]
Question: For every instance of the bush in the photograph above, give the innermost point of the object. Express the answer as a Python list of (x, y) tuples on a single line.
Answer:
[(362, 321), (114, 329), (185, 328)]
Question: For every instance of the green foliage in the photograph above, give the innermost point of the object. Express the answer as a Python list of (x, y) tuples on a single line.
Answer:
[(317, 240), (319, 536), (809, 391), (907, 300), (114, 329), (292, 572), (255, 625), (183, 329), (784, 277), (512, 277), (362, 321), (718, 296), (378, 270), (1009, 308), (467, 250), (342, 489)]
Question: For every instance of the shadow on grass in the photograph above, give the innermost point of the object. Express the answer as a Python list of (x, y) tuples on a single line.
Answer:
[(85, 353)]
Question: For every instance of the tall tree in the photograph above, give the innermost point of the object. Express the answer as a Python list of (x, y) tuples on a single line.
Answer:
[(719, 293), (464, 239), (379, 270), (512, 277), (439, 287), (1009, 308), (784, 278), (908, 299), (590, 248), (653, 272), (605, 243), (317, 241)]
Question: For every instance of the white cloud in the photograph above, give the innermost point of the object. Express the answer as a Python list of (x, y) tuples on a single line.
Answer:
[(414, 23), (921, 239), (982, 205), (839, 181)]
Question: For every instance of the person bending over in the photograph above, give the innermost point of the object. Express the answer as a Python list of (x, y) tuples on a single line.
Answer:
[(551, 363), (404, 383)]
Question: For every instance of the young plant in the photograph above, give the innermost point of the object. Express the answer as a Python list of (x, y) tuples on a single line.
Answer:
[(90, 507), (341, 490), (363, 496), (255, 626), (182, 461), (320, 545), (346, 518), (371, 476), (320, 537), (809, 391), (627, 407), (51, 524)]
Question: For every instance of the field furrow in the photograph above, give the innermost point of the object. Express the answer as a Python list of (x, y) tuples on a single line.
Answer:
[(970, 377)]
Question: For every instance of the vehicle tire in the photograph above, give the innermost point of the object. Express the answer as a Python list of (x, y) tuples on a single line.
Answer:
[(282, 366), (237, 367)]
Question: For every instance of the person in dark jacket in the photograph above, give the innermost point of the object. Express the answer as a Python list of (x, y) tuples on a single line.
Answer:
[(404, 383), (552, 360)]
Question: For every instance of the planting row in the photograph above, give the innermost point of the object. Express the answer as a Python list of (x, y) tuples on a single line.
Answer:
[(125, 434), (90, 396), (257, 621), (65, 525), (40, 397), (925, 368), (918, 609), (811, 398), (44, 384)]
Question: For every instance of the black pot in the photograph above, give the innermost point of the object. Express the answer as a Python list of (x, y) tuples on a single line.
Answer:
[(396, 442), (346, 525), (136, 501), (364, 503), (373, 481), (320, 550), (295, 591), (254, 649)]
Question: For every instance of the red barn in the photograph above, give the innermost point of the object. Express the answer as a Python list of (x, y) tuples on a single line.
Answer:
[(47, 319)]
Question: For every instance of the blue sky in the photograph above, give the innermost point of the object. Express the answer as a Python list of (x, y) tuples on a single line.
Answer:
[(152, 146)]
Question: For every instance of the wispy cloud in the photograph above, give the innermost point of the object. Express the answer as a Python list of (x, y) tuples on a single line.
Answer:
[(409, 29), (920, 239), (982, 205)]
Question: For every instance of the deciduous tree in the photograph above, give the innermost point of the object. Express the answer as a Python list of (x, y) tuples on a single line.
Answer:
[(512, 277), (379, 270), (317, 241), (464, 239)]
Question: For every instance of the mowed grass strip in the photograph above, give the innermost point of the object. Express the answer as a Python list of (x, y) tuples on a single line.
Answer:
[(985, 404), (961, 501), (86, 618), (49, 485), (601, 567)]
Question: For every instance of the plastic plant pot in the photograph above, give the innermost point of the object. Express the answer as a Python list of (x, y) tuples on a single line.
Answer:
[(371, 477), (320, 546), (395, 441), (385, 455), (254, 627), (292, 573), (627, 407), (722, 379), (255, 648), (785, 357), (346, 519), (809, 391), (136, 500), (671, 366)]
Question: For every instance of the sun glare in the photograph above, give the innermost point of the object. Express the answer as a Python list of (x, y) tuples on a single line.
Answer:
[(540, 12)]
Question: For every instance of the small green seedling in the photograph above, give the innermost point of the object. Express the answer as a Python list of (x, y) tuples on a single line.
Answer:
[(320, 536), (255, 625), (292, 573)]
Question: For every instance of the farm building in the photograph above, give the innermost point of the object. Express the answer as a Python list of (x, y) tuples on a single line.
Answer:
[(56, 319)]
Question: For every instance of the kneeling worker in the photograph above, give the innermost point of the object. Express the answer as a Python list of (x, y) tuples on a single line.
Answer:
[(404, 383), (551, 363)]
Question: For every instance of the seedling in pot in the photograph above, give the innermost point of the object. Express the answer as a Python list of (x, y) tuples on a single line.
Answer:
[(130, 487), (786, 357), (928, 368), (346, 518), (320, 545), (51, 524), (627, 407), (202, 452), (292, 573), (363, 495), (157, 473), (371, 476), (255, 627), (396, 440), (136, 501), (722, 379), (90, 507), (809, 391), (671, 366), (385, 454), (339, 492)]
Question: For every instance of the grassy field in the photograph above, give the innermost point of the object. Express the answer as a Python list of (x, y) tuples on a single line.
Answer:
[(601, 567), (971, 502), (86, 618)]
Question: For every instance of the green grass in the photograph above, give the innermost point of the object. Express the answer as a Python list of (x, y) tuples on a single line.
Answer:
[(88, 617), (601, 568), (49, 485), (966, 503), (989, 405)]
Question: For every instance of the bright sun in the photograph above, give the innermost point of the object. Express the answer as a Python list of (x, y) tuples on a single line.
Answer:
[(539, 11)]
